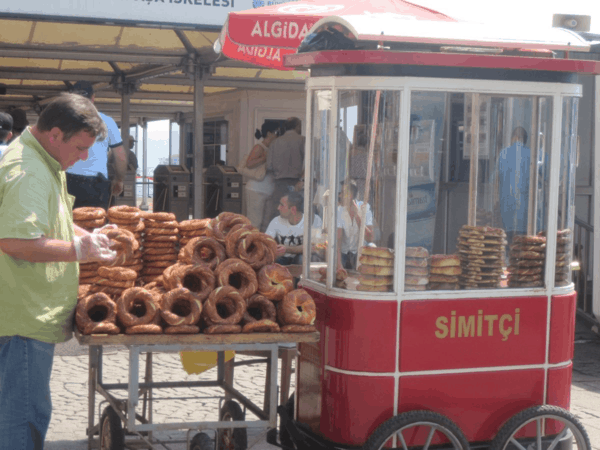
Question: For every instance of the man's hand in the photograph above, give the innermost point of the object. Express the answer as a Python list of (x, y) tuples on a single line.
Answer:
[(281, 249), (93, 247), (117, 187)]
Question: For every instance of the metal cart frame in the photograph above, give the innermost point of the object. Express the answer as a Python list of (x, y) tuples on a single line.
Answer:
[(142, 424)]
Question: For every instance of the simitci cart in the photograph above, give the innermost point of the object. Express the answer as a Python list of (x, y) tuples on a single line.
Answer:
[(442, 163)]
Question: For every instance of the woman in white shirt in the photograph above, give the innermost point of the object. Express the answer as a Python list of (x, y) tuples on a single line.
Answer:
[(258, 191)]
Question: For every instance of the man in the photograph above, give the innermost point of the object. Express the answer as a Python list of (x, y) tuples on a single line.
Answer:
[(20, 122), (513, 184), (88, 179), (6, 127), (285, 161), (132, 165), (288, 228), (38, 253)]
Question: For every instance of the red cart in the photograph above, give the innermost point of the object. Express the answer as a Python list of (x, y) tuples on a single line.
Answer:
[(439, 212)]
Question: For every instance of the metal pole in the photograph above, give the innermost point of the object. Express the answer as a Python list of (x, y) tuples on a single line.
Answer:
[(197, 176), (125, 96), (144, 205), (473, 177)]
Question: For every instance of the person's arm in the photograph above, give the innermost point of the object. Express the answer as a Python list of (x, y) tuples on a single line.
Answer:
[(41, 250), (120, 159), (294, 249), (257, 157)]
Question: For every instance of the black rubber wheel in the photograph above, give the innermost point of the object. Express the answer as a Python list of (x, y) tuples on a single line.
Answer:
[(112, 436), (572, 436), (202, 441), (231, 438), (396, 431), (284, 437)]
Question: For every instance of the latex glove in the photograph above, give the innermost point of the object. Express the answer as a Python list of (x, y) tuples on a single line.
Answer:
[(94, 247), (109, 226)]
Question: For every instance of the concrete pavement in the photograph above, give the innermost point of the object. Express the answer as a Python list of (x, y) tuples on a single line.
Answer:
[(70, 395)]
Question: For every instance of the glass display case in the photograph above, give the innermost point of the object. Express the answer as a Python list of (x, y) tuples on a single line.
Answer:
[(420, 188)]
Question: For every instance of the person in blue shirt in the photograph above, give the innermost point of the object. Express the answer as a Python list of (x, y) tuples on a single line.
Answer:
[(513, 184), (88, 180)]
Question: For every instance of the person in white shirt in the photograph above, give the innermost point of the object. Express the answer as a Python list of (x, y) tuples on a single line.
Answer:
[(88, 180), (288, 228), (6, 126), (348, 225)]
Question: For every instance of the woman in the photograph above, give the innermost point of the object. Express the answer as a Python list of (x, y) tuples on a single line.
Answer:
[(257, 192), (348, 225)]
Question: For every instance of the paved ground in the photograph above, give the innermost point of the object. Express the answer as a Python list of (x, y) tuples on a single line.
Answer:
[(69, 391)]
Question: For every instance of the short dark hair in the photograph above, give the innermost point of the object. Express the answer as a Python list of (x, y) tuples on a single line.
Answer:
[(520, 134), (72, 113), (292, 123), (296, 199)]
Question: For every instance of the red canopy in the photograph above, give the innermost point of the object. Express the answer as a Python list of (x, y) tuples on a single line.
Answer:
[(263, 36)]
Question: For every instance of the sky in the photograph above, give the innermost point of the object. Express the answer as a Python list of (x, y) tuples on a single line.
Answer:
[(525, 13)]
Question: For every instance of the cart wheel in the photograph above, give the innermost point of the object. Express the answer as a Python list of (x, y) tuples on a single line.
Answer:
[(111, 430), (284, 437), (566, 431), (231, 438), (202, 441), (417, 429)]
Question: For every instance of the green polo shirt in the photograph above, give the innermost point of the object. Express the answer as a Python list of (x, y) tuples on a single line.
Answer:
[(37, 300)]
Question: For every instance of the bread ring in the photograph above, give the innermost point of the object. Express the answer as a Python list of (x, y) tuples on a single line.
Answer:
[(387, 271), (203, 250), (182, 329), (136, 306), (159, 251), (151, 224), (216, 315), (233, 237), (194, 224), (117, 273), (121, 223), (374, 280), (88, 213), (236, 273), (158, 244), (153, 270), (94, 309), (369, 288), (259, 308), (123, 242), (164, 257), (297, 308), (157, 264), (90, 224), (135, 228), (115, 284), (151, 278), (159, 216), (298, 329), (199, 279), (149, 328), (223, 223), (161, 231), (261, 326), (89, 280), (274, 281), (379, 252), (113, 292), (101, 328), (375, 261), (528, 240), (223, 329), (257, 249), (195, 233), (160, 238), (124, 212), (417, 262), (180, 307), (172, 276)]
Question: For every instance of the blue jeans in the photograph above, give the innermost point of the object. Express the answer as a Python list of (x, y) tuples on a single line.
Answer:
[(25, 404)]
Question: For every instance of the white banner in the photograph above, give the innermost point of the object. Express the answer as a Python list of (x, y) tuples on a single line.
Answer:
[(194, 13)]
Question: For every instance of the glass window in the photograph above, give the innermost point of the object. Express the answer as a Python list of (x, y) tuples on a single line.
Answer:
[(367, 148), (319, 186), (477, 191), (566, 191)]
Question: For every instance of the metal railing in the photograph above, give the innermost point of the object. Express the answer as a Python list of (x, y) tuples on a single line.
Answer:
[(583, 245)]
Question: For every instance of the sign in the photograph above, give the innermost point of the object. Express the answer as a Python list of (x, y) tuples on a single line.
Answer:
[(189, 13)]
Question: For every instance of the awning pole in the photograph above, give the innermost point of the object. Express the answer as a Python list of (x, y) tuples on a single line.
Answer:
[(197, 175)]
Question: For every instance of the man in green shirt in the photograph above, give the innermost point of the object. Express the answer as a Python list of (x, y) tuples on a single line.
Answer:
[(39, 250)]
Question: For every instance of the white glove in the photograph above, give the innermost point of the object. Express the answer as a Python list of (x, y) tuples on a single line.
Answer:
[(93, 247), (109, 226)]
